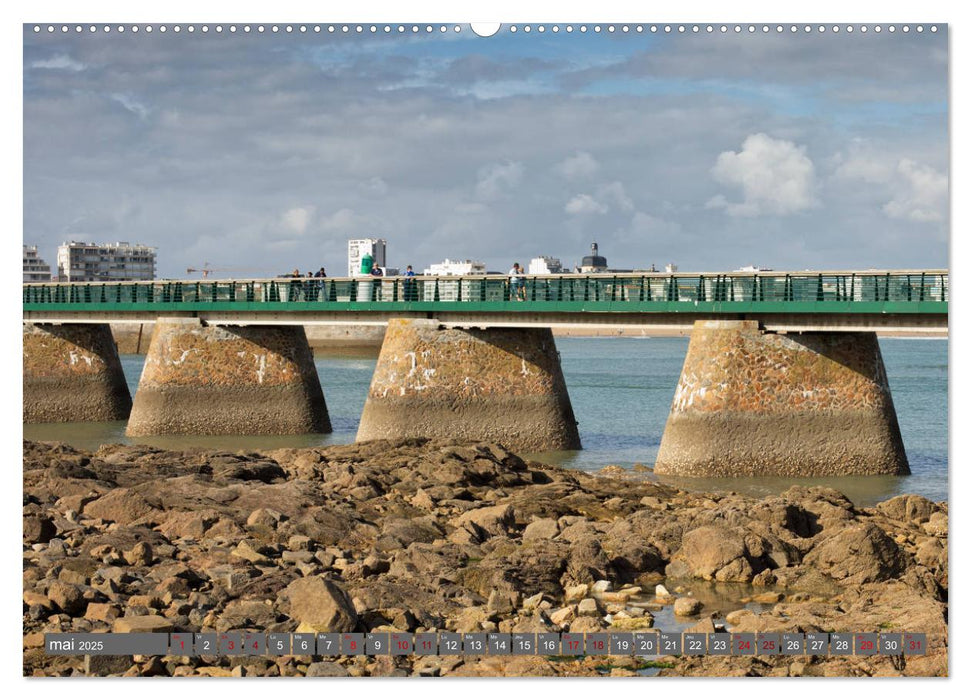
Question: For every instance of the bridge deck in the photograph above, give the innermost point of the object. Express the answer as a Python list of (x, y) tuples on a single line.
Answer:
[(896, 300)]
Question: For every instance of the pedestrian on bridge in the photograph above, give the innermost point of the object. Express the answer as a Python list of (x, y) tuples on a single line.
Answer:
[(517, 288)]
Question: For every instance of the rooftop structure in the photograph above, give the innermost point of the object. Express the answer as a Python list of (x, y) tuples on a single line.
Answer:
[(358, 248), (455, 268), (545, 265)]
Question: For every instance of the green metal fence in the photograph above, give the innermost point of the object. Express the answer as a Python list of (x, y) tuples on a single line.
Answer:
[(921, 291)]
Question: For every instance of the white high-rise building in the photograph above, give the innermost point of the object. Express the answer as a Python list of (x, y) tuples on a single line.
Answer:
[(456, 268), (357, 248), (35, 269), (545, 265), (105, 262)]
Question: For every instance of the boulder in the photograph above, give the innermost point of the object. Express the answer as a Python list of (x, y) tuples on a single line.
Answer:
[(908, 508), (38, 529), (326, 669), (543, 528), (139, 555), (716, 552), (123, 506), (486, 522), (858, 554), (142, 623), (320, 605), (66, 597), (686, 607)]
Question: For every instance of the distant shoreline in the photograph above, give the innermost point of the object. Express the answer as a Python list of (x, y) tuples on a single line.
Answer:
[(133, 338)]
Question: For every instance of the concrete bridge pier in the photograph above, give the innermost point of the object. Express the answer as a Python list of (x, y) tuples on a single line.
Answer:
[(72, 373), (228, 380), (752, 403), (499, 384)]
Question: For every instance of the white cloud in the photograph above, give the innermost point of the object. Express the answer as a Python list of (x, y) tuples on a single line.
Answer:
[(60, 62), (497, 178), (776, 177), (577, 166), (298, 218), (615, 192), (917, 192), (131, 104), (925, 195), (342, 221), (375, 187), (585, 204)]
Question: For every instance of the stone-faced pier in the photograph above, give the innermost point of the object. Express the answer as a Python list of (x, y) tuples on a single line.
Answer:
[(499, 384), (752, 403), (228, 380), (72, 373)]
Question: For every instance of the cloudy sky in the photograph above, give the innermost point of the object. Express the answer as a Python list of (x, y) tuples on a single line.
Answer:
[(261, 153)]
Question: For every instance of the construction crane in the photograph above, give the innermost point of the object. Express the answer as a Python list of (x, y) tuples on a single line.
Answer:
[(206, 269)]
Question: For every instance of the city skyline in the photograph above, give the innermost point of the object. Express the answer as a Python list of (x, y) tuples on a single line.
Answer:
[(259, 154)]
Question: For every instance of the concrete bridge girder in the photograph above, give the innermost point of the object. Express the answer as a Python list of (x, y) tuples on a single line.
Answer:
[(72, 373), (204, 380), (498, 385), (754, 403)]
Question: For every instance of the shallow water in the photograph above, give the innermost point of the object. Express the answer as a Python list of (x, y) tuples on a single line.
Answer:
[(621, 390)]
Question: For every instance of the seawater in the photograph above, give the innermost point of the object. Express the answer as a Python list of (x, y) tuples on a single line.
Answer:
[(621, 390)]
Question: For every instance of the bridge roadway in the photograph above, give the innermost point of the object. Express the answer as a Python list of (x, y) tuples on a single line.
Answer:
[(850, 301)]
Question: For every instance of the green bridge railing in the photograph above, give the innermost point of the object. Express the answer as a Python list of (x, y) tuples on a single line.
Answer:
[(920, 291)]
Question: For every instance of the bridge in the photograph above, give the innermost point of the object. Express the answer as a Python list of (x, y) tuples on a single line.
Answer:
[(899, 301), (783, 373)]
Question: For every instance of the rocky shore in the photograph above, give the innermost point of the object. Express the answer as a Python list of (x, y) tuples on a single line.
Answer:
[(419, 535)]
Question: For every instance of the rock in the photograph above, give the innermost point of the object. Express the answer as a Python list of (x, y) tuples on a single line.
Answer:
[(588, 623), (564, 615), (73, 577), (38, 529), (576, 593), (736, 616), (685, 607), (716, 552), (486, 522), (588, 606), (533, 602), (543, 528), (936, 525), (300, 543), (373, 565), (139, 555), (632, 624), (265, 516), (705, 625), (32, 598), (858, 554), (102, 612), (142, 623), (320, 605), (247, 549), (661, 592), (769, 598), (326, 669), (122, 506), (908, 508), (106, 664), (66, 597)]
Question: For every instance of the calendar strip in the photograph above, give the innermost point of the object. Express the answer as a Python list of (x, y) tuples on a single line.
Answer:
[(648, 643)]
